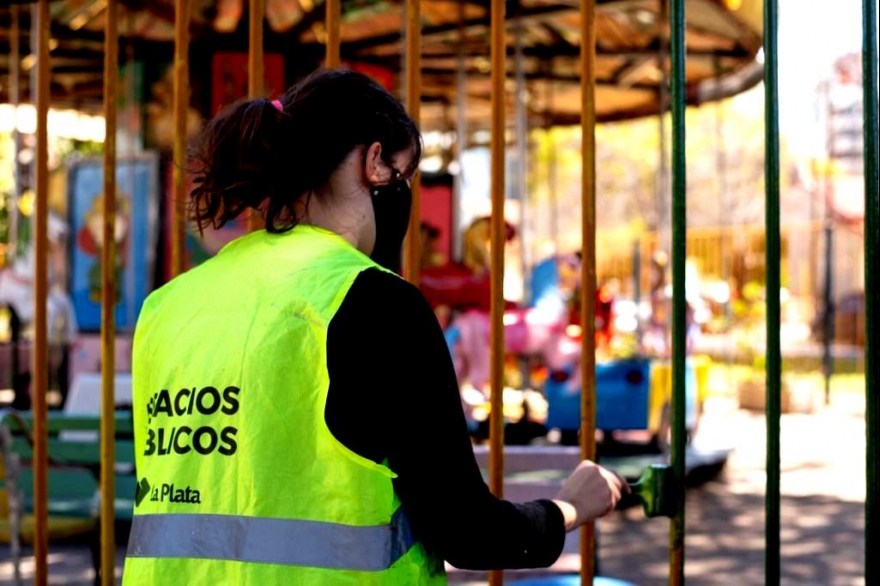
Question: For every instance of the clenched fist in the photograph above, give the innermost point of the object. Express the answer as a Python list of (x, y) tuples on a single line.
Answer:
[(590, 492)]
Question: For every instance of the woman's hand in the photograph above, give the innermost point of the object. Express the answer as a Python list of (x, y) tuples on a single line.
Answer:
[(590, 492)]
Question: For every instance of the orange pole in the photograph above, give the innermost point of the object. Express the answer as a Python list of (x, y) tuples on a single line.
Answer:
[(41, 254), (108, 302), (588, 265), (255, 76), (181, 101), (334, 13), (496, 417), (413, 98)]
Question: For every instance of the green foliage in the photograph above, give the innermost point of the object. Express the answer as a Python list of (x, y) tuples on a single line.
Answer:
[(68, 147), (725, 166), (749, 311), (7, 154)]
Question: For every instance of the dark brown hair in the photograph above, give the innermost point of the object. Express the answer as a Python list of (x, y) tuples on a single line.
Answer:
[(253, 154)]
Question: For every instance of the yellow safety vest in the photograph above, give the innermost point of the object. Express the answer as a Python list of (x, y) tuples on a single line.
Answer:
[(240, 481)]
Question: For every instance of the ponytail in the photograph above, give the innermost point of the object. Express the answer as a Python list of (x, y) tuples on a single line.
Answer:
[(235, 162), (268, 155)]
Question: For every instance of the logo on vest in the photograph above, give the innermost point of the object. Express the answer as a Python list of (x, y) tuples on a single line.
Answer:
[(166, 493), (165, 436), (172, 494), (143, 489)]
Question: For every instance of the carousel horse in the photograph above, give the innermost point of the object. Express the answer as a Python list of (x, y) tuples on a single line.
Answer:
[(463, 290)]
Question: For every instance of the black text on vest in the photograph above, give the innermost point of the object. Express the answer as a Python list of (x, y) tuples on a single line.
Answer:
[(166, 436)]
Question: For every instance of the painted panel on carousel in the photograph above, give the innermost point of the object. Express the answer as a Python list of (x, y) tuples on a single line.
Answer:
[(136, 233)]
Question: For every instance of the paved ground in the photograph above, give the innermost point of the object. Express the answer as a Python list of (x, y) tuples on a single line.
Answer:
[(823, 486)]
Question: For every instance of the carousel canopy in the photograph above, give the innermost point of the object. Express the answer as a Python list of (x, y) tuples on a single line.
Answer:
[(723, 41)]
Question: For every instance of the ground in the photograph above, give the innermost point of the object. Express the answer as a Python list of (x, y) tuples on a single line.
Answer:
[(823, 486)]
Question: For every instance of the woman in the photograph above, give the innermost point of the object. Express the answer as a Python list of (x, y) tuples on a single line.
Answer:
[(297, 418)]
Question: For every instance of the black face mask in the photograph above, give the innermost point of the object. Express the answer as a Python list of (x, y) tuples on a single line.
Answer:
[(392, 204)]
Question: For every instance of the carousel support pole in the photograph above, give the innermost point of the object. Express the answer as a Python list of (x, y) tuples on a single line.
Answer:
[(181, 101), (460, 130), (588, 267), (521, 148), (255, 76), (552, 166), (496, 416), (108, 301), (15, 98), (40, 368), (13, 234), (663, 172), (333, 16), (413, 57)]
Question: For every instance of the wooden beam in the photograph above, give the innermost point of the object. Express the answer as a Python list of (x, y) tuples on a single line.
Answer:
[(428, 31)]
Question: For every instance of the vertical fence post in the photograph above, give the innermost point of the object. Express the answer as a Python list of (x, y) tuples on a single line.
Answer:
[(679, 254), (257, 15), (40, 367), (774, 356), (334, 13), (872, 290), (461, 130), (257, 12), (828, 304), (496, 416), (181, 101), (661, 195), (588, 266), (108, 302), (521, 121), (413, 59), (15, 100), (552, 171)]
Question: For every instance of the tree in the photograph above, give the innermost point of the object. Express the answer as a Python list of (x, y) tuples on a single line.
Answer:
[(725, 165)]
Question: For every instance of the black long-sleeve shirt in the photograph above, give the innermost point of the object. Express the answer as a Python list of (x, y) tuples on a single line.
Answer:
[(394, 396)]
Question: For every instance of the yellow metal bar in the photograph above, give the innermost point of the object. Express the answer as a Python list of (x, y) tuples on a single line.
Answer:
[(15, 99), (496, 417), (41, 254), (413, 99), (588, 265), (255, 75), (333, 16), (255, 47), (461, 125), (181, 101), (108, 302)]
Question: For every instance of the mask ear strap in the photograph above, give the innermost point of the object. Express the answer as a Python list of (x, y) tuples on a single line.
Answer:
[(396, 176)]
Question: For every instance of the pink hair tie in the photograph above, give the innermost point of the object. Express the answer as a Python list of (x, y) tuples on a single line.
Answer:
[(278, 105)]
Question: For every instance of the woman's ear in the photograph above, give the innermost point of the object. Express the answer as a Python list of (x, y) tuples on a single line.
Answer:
[(374, 167)]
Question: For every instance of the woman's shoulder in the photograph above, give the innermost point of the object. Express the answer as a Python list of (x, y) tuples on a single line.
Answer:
[(383, 297), (385, 288)]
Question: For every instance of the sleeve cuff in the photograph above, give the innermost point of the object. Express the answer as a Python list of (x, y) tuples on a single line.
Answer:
[(555, 534)]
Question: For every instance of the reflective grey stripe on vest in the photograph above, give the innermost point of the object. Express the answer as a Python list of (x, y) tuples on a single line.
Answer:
[(271, 541)]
